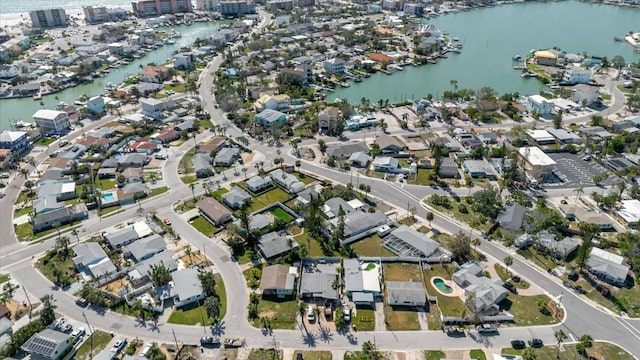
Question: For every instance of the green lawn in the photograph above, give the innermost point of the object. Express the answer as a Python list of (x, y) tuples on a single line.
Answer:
[(100, 341), (185, 205), (364, 319), (158, 191), (371, 246), (281, 312), (402, 272), (478, 354), (621, 299), (4, 278), (401, 318), (599, 350), (176, 88), (204, 226), (193, 316), (421, 178), (504, 275), (304, 178), (274, 195), (434, 355), (106, 184), (469, 217), (449, 305), (52, 262), (108, 210), (314, 355), (265, 354), (313, 246), (525, 310), (45, 141), (188, 179), (544, 261), (23, 211), (222, 295), (281, 214)]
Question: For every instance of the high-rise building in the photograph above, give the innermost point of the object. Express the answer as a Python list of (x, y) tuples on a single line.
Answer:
[(236, 8), (145, 8), (207, 5), (95, 14), (48, 18)]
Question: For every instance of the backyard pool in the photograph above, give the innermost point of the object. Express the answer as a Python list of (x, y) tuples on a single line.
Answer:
[(108, 197), (442, 286)]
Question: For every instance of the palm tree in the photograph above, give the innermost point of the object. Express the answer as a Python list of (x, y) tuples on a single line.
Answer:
[(188, 252), (74, 232), (302, 310), (508, 261), (192, 186), (244, 170), (560, 337), (297, 164), (579, 191), (218, 183)]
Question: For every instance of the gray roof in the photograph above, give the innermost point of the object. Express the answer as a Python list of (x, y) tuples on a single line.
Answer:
[(121, 237), (319, 284), (361, 297), (406, 292), (258, 182), (53, 175), (105, 355), (479, 166), (87, 253), (603, 262), (332, 207), (186, 283), (560, 248), (275, 244), (109, 163), (236, 197), (448, 167), (388, 143), (346, 150), (143, 248), (226, 156), (512, 216), (60, 214), (164, 257), (134, 188), (46, 203), (487, 291), (359, 221), (5, 324), (416, 240), (360, 157), (270, 115), (51, 189), (136, 159), (45, 343), (201, 163), (185, 125), (258, 221)]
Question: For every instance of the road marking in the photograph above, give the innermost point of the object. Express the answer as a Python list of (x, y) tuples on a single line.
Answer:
[(628, 326)]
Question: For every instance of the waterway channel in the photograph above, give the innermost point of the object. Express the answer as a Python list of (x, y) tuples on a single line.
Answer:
[(24, 108), (492, 36)]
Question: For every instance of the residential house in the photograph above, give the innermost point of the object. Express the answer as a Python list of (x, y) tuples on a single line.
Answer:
[(488, 292), (225, 157), (17, 141), (512, 217), (133, 175), (585, 94), (275, 244), (202, 165), (408, 242), (582, 215), (61, 191), (5, 312), (541, 137), (91, 259), (95, 105), (136, 160), (469, 140), (488, 137), (629, 212), (152, 107), (139, 275), (122, 237), (214, 144), (319, 285), (479, 169), (269, 117), (259, 183), (564, 136), (52, 121), (344, 151), (278, 280), (359, 222), (187, 125), (287, 181), (8, 71), (187, 287), (214, 211), (5, 329), (144, 146), (46, 204), (259, 222), (559, 249), (236, 198), (328, 117), (154, 74), (183, 61), (545, 57), (333, 206), (132, 191), (360, 159), (362, 281), (167, 136), (523, 241), (575, 75), (295, 74), (406, 293), (144, 248), (386, 164), (305, 196), (448, 168), (388, 144), (607, 266), (48, 344), (595, 133), (334, 65), (539, 104)]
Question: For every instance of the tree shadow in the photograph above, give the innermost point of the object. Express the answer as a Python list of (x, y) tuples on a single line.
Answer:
[(325, 333), (218, 328), (309, 338)]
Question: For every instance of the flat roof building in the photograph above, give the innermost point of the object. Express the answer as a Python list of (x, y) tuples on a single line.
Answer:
[(537, 163)]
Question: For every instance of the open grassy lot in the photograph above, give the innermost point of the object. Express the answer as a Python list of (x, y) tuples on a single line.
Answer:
[(100, 340), (364, 319), (204, 226), (57, 268), (599, 350), (193, 316), (621, 299), (542, 260), (313, 246), (45, 141), (421, 178), (525, 310), (222, 295), (188, 179), (469, 217), (4, 278), (304, 178), (401, 318), (106, 184), (402, 272), (314, 355), (22, 211), (371, 246), (281, 312), (265, 354), (274, 195), (158, 191), (505, 275)]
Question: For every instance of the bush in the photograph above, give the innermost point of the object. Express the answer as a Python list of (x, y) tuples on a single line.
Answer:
[(462, 208)]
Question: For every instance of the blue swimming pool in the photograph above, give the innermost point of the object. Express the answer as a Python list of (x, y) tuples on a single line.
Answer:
[(442, 286), (108, 197)]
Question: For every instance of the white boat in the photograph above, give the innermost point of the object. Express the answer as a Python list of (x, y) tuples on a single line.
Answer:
[(517, 57)]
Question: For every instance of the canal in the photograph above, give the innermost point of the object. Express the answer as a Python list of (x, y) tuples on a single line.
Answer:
[(24, 108), (492, 36)]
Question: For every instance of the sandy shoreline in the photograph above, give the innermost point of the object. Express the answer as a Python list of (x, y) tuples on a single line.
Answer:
[(13, 20)]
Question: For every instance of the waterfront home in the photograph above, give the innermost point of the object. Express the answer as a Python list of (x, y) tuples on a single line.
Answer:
[(48, 344), (545, 57), (184, 61), (297, 74), (584, 94), (575, 75), (386, 164), (8, 71), (95, 105), (236, 198), (359, 121), (278, 280), (269, 117), (17, 141), (607, 266), (275, 244), (539, 104), (328, 117), (214, 211), (334, 65), (27, 89), (273, 102), (92, 260), (52, 121), (377, 57), (406, 293)]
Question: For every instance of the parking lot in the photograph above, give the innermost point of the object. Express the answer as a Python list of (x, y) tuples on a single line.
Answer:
[(572, 171)]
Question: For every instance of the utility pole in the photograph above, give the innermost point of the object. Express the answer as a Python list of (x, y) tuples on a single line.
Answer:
[(29, 301), (175, 339), (90, 335)]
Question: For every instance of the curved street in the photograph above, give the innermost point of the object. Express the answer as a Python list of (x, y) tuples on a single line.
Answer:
[(582, 316)]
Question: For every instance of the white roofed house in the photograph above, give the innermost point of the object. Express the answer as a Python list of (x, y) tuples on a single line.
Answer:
[(287, 181), (258, 183), (386, 164), (608, 266), (406, 293), (91, 259), (584, 94), (52, 121), (361, 281), (236, 198), (487, 292), (187, 287)]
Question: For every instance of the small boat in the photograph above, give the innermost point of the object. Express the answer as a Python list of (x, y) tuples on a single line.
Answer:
[(188, 22), (37, 96), (529, 75), (456, 39), (517, 58), (619, 39)]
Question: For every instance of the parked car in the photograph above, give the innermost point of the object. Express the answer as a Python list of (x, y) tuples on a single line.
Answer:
[(120, 343), (209, 340), (509, 286), (78, 332), (536, 343), (311, 315), (486, 329), (518, 344), (145, 350), (346, 312), (573, 276), (454, 331), (167, 221)]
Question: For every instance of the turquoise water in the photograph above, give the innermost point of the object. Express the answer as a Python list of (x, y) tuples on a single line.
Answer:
[(492, 36), (108, 197), (442, 286)]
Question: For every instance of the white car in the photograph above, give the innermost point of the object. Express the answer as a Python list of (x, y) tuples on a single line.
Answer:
[(311, 315), (145, 350), (346, 312), (78, 332), (120, 343)]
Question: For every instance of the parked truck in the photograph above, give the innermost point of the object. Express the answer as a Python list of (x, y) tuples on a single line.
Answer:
[(234, 342)]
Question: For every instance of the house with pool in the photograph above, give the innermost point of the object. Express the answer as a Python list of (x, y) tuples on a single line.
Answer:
[(361, 281)]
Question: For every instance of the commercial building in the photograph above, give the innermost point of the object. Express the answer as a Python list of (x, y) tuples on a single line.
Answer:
[(52, 121), (48, 18), (145, 8), (236, 8), (95, 14), (536, 162), (207, 5)]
